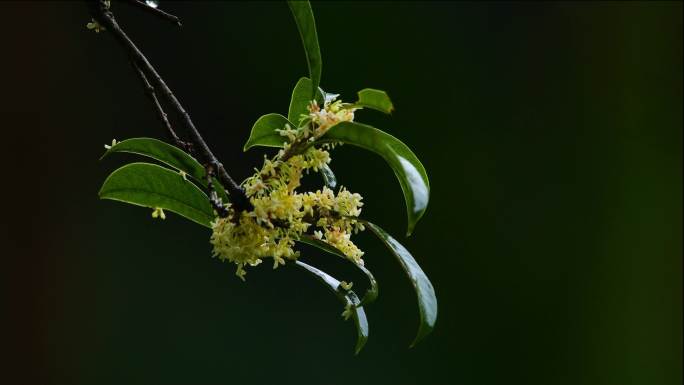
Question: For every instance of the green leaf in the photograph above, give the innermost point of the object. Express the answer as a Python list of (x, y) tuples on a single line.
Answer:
[(372, 292), (408, 169), (163, 152), (306, 24), (301, 97), (264, 131), (328, 177), (375, 99), (169, 155), (150, 185), (427, 302), (350, 300)]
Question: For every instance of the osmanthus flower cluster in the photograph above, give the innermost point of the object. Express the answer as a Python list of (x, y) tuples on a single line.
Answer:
[(270, 213), (281, 213)]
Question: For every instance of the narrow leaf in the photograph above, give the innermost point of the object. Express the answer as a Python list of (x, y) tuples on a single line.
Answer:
[(408, 169), (264, 131), (328, 177), (150, 185), (427, 302), (306, 24), (350, 300), (375, 99), (301, 97), (372, 292)]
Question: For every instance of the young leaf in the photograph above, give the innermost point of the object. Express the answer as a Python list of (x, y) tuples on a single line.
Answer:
[(264, 131), (427, 302), (328, 177), (303, 15), (301, 97), (350, 300), (169, 155), (375, 99), (372, 292), (150, 185), (408, 169)]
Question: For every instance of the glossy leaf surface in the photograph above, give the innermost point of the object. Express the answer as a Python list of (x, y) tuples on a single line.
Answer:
[(328, 176), (162, 152), (348, 297), (408, 169), (264, 131), (427, 301), (150, 185), (169, 155), (301, 97), (375, 99), (372, 292), (306, 24)]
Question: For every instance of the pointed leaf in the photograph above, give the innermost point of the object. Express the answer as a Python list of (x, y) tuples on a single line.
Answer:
[(408, 169), (372, 292), (306, 24), (301, 97), (264, 131), (375, 99), (427, 301), (150, 185), (350, 300)]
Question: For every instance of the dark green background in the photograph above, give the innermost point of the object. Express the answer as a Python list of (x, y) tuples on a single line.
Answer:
[(551, 132)]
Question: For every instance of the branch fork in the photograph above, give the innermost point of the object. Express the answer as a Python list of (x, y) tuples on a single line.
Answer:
[(154, 85)]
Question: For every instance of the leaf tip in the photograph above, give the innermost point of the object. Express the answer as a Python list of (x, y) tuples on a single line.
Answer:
[(359, 347), (423, 332), (411, 226)]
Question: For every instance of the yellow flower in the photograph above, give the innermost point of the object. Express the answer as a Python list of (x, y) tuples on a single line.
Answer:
[(107, 146), (281, 214), (333, 112), (158, 213), (95, 26)]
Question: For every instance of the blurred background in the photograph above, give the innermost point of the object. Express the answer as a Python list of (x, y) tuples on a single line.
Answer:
[(551, 132)]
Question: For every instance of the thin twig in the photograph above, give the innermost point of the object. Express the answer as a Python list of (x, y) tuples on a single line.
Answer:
[(156, 11), (163, 117), (104, 16)]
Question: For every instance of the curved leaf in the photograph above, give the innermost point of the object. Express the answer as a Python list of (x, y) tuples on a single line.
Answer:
[(163, 152), (150, 185), (169, 155), (306, 24), (372, 292), (427, 301), (408, 169), (264, 131), (301, 97), (375, 99), (350, 300)]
